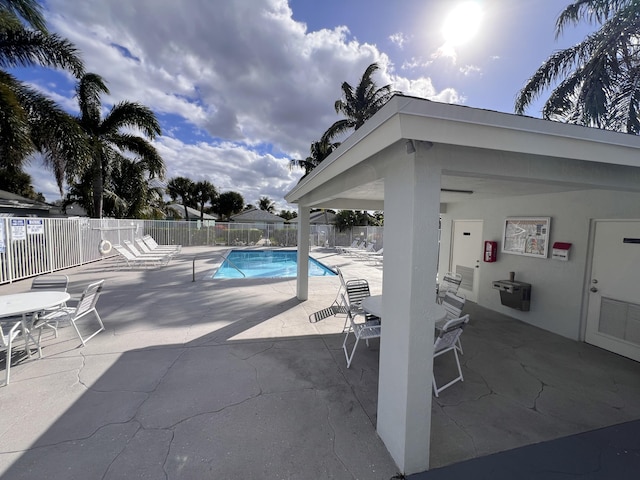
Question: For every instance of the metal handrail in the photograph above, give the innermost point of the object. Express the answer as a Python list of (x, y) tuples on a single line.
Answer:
[(193, 266)]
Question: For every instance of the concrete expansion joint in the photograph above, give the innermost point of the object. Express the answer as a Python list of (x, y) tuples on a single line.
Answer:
[(79, 371), (534, 406), (124, 447), (463, 430), (336, 452)]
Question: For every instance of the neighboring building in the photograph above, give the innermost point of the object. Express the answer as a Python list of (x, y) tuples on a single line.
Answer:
[(255, 215), (321, 217), (12, 205), (176, 211)]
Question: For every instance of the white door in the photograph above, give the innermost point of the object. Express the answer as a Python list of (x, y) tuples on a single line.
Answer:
[(466, 254), (613, 317)]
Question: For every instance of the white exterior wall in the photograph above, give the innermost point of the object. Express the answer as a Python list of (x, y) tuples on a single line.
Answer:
[(557, 287)]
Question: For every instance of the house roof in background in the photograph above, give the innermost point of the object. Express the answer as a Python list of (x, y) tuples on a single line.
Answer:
[(193, 213), (18, 204), (256, 215), (319, 218)]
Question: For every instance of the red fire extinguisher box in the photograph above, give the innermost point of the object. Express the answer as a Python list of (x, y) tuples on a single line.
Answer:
[(490, 251)]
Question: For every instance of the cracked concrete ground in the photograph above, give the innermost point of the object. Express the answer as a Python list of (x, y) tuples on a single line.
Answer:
[(228, 379)]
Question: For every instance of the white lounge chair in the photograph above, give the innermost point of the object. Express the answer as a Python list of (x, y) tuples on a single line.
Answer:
[(86, 306), (137, 253), (128, 258), (153, 245), (342, 250)]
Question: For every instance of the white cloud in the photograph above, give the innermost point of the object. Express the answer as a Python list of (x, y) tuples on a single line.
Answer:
[(399, 39), (470, 70), (244, 72)]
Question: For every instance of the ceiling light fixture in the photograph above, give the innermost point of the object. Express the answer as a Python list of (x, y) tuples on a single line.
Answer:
[(453, 190)]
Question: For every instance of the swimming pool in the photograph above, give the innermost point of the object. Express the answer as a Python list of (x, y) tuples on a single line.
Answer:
[(267, 264)]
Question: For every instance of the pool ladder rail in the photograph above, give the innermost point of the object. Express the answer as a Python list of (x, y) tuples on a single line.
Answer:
[(195, 257)]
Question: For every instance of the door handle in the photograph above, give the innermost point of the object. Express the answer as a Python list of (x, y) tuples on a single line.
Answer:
[(593, 289)]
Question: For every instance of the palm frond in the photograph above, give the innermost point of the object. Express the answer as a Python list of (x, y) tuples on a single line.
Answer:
[(133, 115), (28, 10), (25, 48)]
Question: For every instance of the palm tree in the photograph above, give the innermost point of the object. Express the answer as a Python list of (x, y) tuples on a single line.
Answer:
[(266, 204), (229, 203), (598, 80), (359, 104), (129, 194), (109, 139), (318, 151), (182, 188), (204, 192), (29, 121)]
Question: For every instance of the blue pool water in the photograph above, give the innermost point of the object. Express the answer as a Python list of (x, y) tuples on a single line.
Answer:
[(267, 264)]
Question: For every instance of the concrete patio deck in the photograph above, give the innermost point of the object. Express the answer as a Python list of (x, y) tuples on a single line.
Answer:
[(228, 379)]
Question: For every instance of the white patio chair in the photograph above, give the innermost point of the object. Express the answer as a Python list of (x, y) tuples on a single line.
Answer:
[(6, 343), (450, 283), (85, 307), (365, 330), (52, 282), (453, 304), (446, 342)]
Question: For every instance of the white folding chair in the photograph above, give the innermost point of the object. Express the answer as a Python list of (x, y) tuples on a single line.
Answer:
[(365, 330), (453, 303), (446, 342), (450, 283), (86, 306)]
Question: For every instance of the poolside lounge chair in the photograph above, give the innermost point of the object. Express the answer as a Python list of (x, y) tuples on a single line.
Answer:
[(446, 342), (137, 253), (336, 307), (128, 258), (342, 250), (369, 255), (86, 306), (145, 250), (153, 245), (367, 329)]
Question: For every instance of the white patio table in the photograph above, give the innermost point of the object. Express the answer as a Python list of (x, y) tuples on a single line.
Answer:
[(26, 303), (373, 305)]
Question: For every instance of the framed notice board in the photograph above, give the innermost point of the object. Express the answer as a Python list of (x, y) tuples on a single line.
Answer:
[(527, 236)]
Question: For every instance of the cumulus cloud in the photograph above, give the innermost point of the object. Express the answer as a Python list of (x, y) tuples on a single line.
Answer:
[(240, 75), (470, 70), (399, 39)]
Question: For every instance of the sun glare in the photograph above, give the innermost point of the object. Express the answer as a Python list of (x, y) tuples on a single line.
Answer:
[(462, 23)]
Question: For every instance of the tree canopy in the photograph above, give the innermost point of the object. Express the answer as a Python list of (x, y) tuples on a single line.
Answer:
[(597, 81)]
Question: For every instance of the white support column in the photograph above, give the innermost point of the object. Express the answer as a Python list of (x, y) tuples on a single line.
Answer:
[(303, 252), (411, 211)]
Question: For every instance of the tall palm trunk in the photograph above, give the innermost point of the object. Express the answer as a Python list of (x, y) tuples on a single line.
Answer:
[(98, 192)]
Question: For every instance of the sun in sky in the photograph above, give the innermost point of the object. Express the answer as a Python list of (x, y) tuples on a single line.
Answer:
[(460, 26)]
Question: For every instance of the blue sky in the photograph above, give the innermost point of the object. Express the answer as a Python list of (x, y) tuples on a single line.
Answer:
[(242, 86)]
